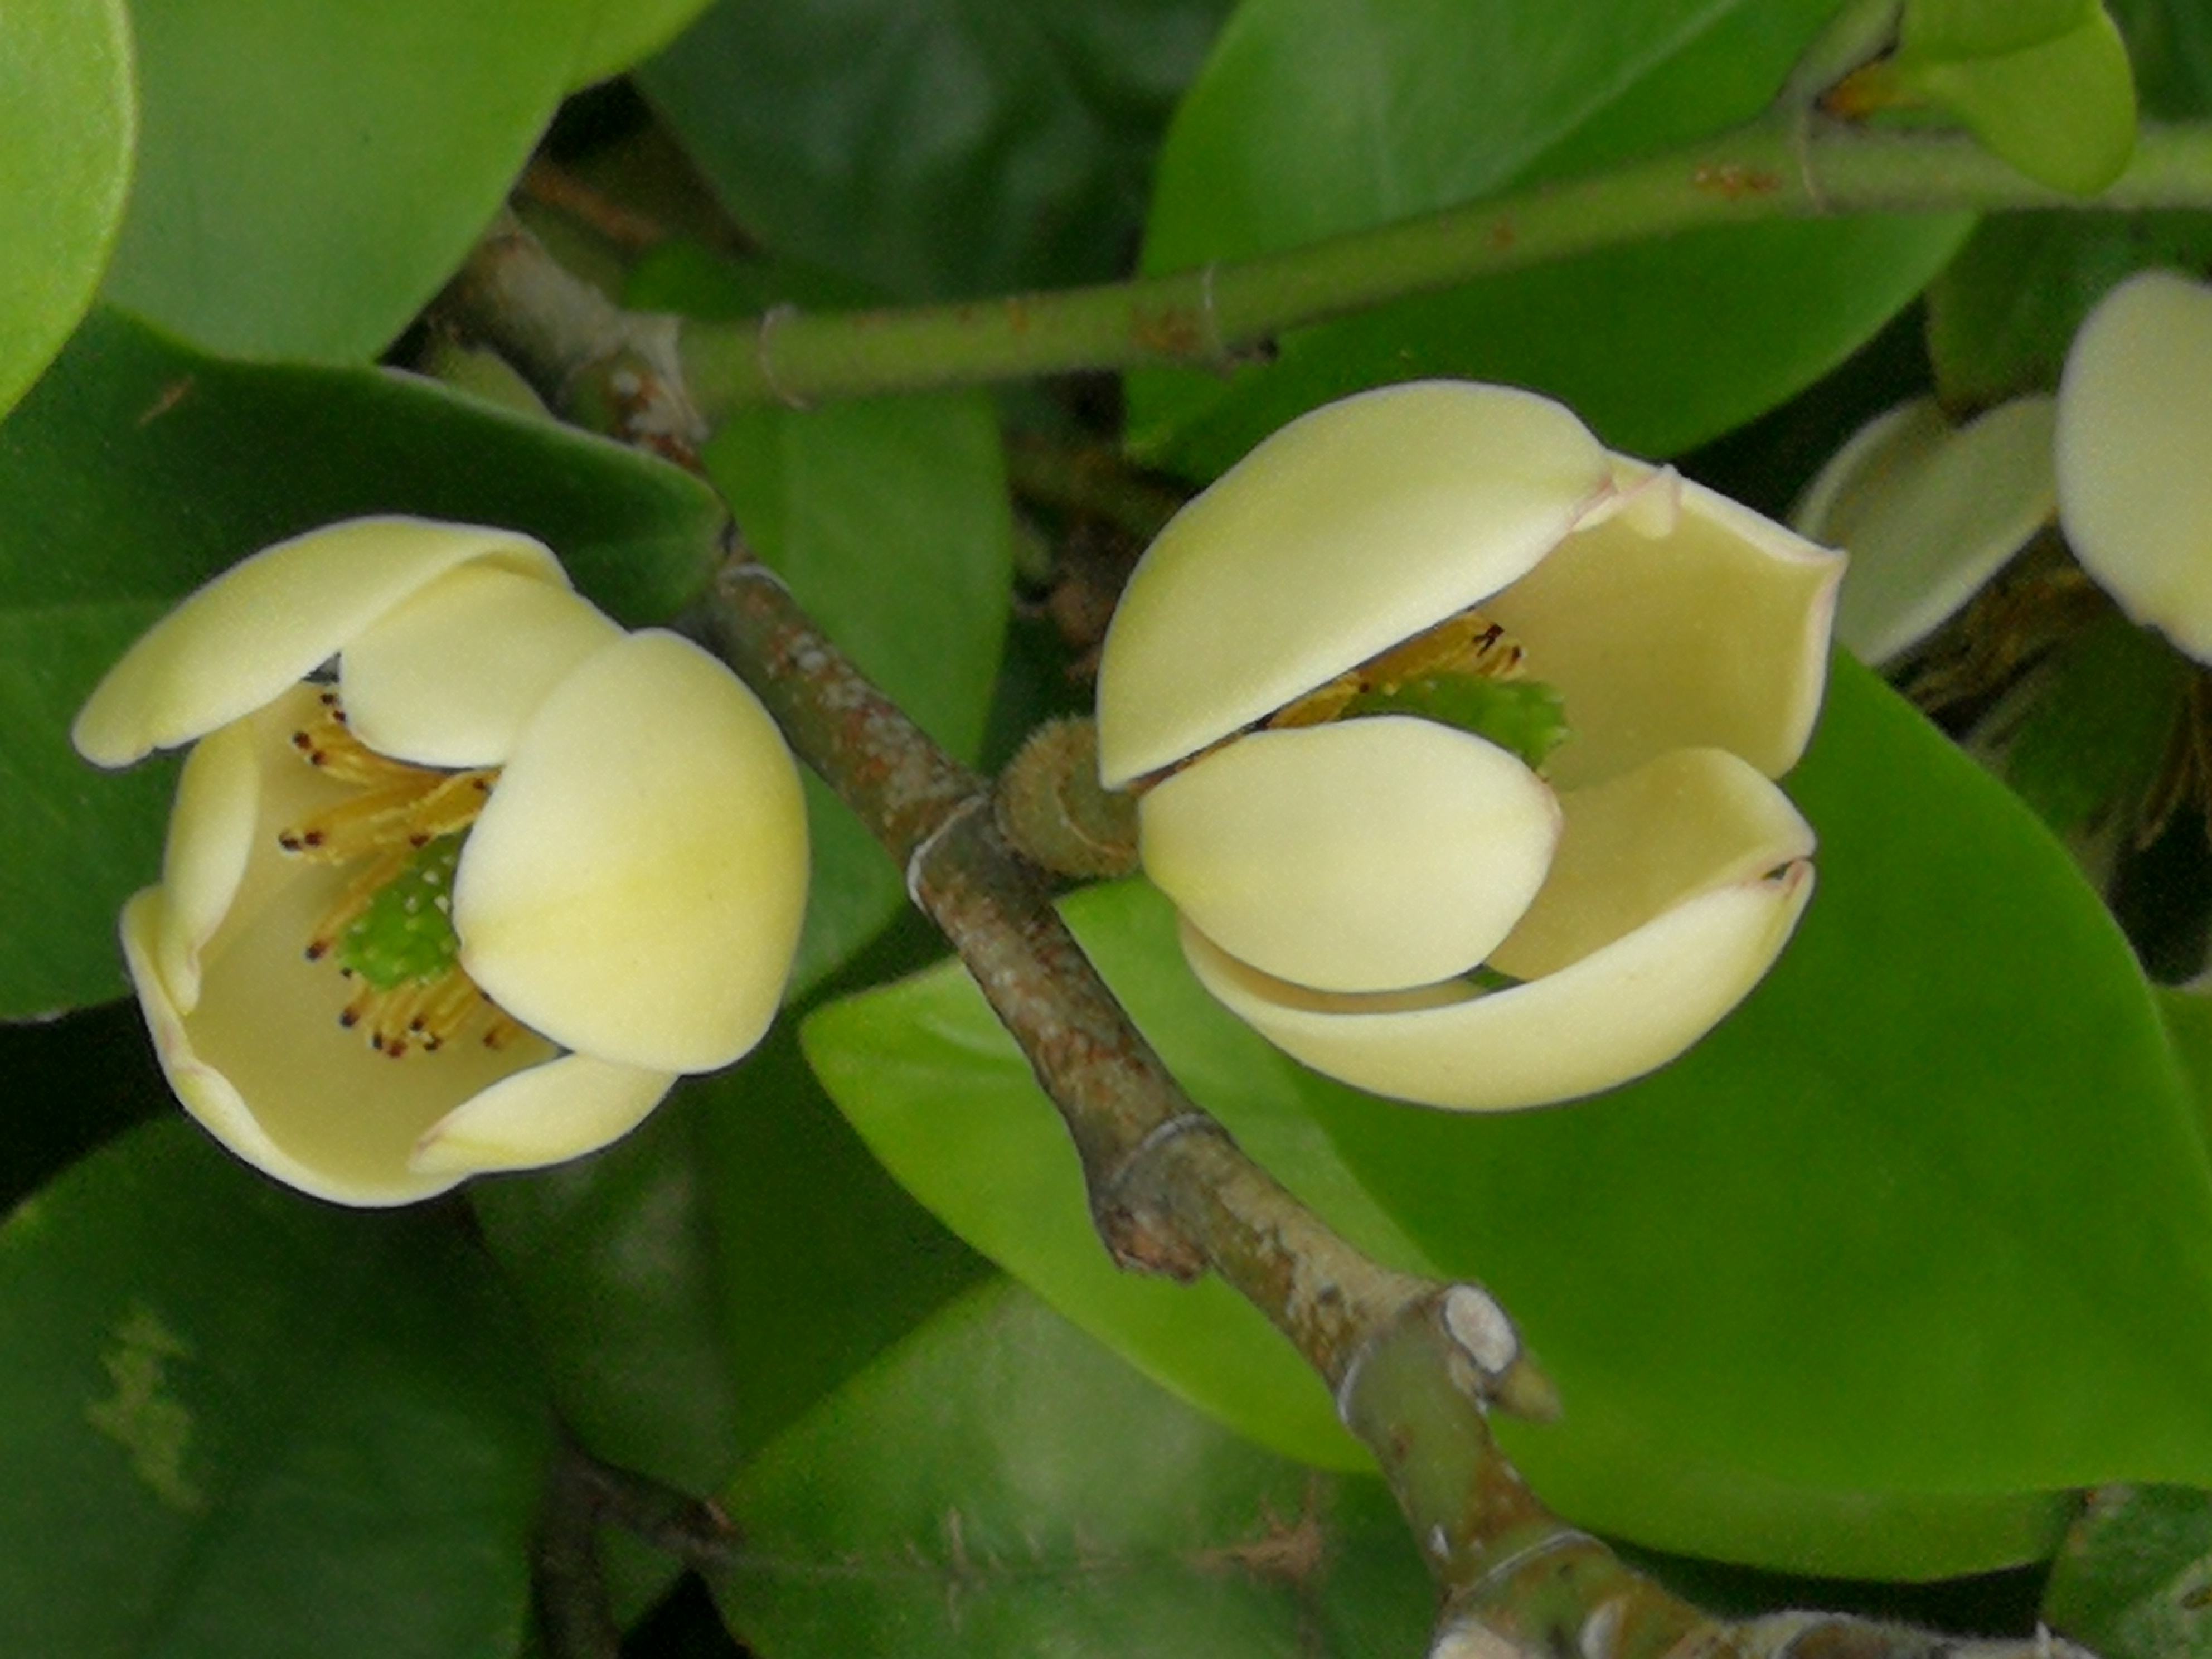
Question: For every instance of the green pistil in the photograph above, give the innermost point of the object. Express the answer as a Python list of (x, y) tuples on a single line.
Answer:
[(406, 935), (1526, 718)]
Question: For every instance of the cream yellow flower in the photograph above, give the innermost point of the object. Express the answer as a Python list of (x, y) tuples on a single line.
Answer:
[(473, 903), (1343, 862), (2134, 449)]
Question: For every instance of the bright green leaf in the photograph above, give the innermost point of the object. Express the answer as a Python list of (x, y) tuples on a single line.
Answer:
[(1987, 28), (1877, 1255), (889, 519), (66, 99), (2000, 317), (137, 469), (627, 32), (230, 1418), (2061, 110), (1313, 118), (310, 172), (940, 150), (2131, 1581), (1000, 1485), (2099, 725)]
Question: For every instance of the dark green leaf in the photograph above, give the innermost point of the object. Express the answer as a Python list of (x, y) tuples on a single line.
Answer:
[(1000, 1485), (2000, 317), (230, 1418), (1881, 1254), (940, 149), (309, 172), (888, 517), (2100, 724), (137, 469), (1313, 118), (65, 98), (2132, 1581), (2170, 43)]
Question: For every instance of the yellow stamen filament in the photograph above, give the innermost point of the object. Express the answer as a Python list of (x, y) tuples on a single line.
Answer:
[(399, 809), (1468, 643)]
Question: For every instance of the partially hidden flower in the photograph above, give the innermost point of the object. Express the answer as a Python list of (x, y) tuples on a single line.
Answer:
[(2121, 459), (1454, 734), (2134, 453), (460, 876)]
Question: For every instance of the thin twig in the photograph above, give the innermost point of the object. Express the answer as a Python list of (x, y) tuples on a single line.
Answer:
[(1416, 1365)]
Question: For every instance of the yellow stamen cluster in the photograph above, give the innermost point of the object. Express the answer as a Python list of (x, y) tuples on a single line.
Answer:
[(398, 811), (1469, 644)]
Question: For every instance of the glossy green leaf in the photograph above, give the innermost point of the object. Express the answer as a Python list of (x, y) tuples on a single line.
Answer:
[(1876, 1256), (2187, 1013), (1000, 1485), (230, 1418), (1313, 118), (2170, 43), (627, 32), (888, 517), (2059, 106), (940, 150), (938, 1090), (137, 469), (2131, 1581), (1881, 1231), (66, 97), (2100, 725), (310, 172), (2000, 317)]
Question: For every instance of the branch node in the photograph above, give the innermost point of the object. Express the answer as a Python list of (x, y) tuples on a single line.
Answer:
[(917, 865)]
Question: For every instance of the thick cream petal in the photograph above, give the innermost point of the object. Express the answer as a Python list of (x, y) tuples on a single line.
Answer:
[(547, 1115), (1714, 635), (271, 619), (1369, 855), (1929, 513), (1639, 845), (1356, 526), (448, 677), (2134, 453), (264, 1066), (635, 886), (1615, 1015)]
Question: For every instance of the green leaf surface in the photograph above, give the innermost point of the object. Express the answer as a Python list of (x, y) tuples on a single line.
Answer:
[(2133, 1580), (2001, 316), (1000, 1485), (2170, 43), (2061, 109), (1987, 28), (2100, 725), (2187, 1013), (938, 1090), (940, 149), (1313, 118), (230, 1417), (889, 519), (66, 97), (310, 172), (1827, 1294), (627, 32), (137, 469)]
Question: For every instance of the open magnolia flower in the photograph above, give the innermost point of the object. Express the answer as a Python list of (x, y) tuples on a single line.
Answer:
[(473, 902), (1431, 682)]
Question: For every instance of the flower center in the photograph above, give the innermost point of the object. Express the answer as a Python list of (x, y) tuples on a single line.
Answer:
[(1466, 671), (392, 929)]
